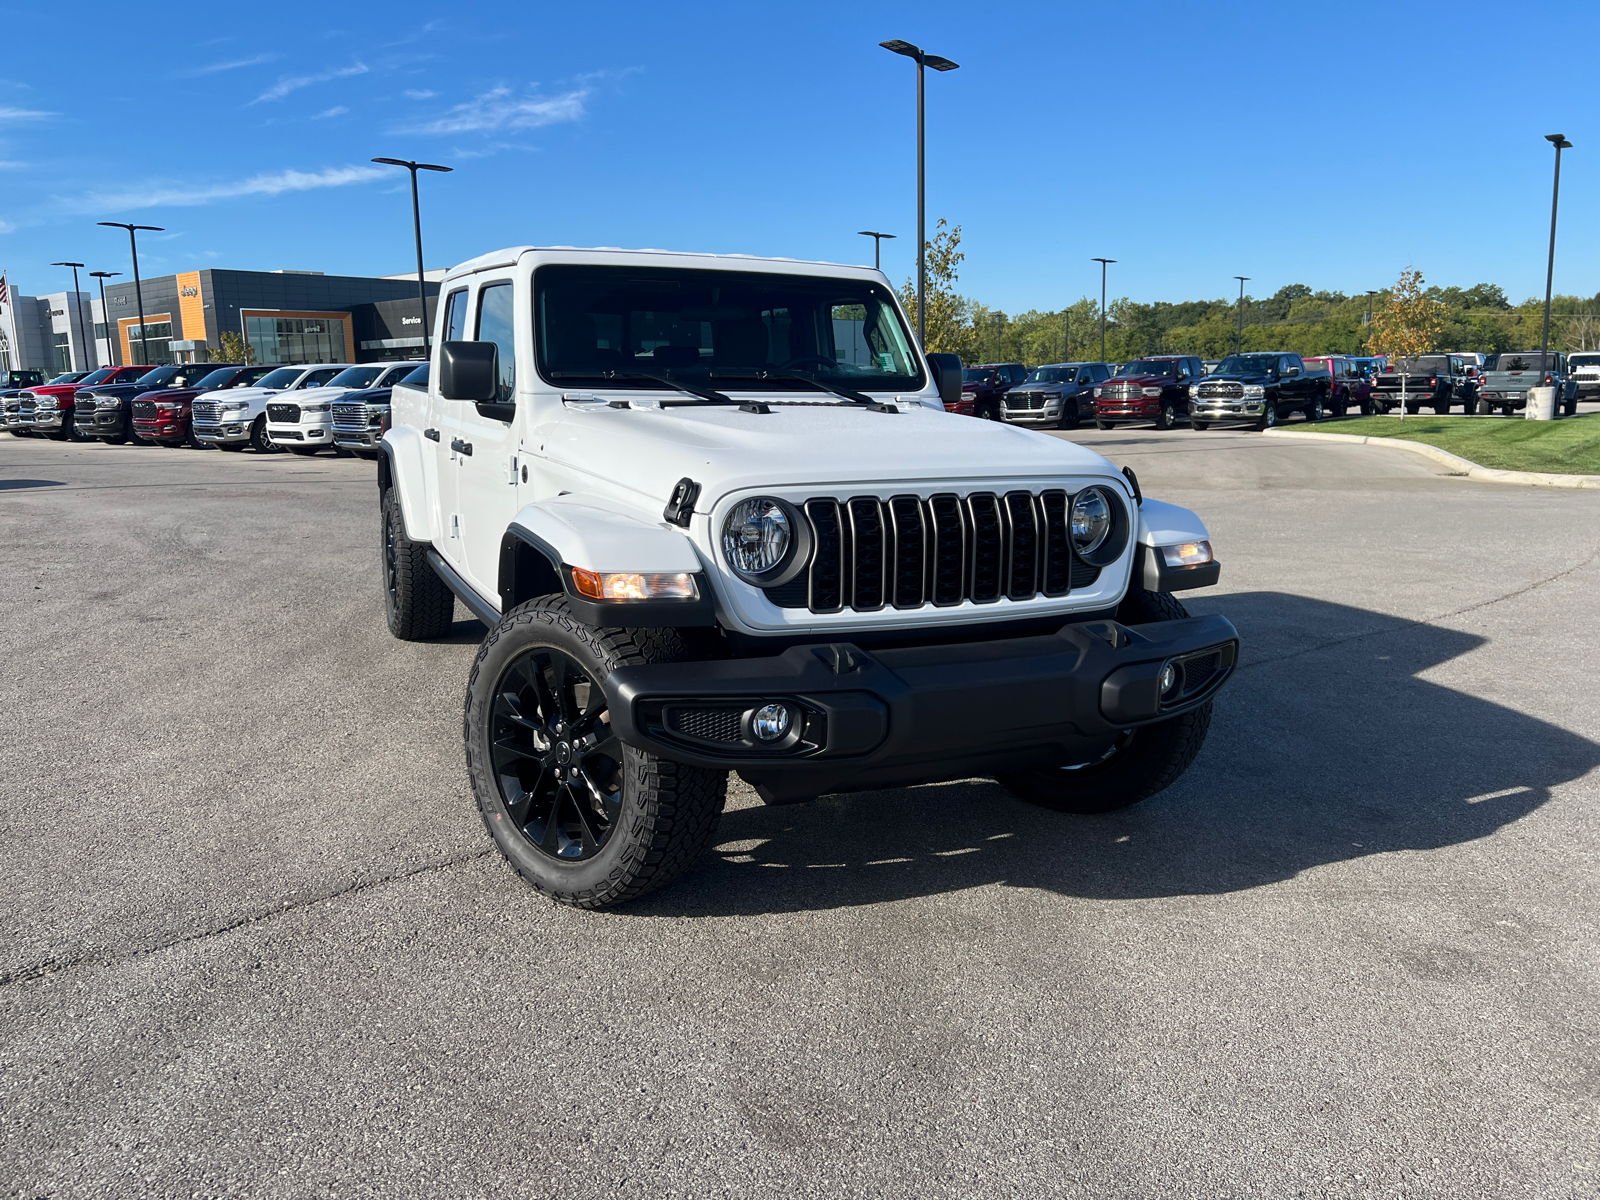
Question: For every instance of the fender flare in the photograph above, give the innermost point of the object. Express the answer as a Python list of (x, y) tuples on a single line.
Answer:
[(401, 466), (1163, 524), (547, 540)]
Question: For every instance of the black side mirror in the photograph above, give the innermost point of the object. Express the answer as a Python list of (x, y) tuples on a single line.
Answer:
[(469, 371), (946, 370)]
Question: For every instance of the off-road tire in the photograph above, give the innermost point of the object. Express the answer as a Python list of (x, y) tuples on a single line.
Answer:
[(1485, 409), (417, 606), (260, 440), (668, 813), (1143, 762), (1441, 408)]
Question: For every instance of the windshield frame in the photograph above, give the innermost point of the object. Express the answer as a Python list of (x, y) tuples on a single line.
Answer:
[(896, 342), (1171, 366), (1036, 375), (1270, 360)]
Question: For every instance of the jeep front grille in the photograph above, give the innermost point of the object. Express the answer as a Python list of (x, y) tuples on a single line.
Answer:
[(287, 414), (908, 551), (1221, 391)]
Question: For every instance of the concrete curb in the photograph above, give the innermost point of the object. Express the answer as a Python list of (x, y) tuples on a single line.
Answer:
[(1463, 466)]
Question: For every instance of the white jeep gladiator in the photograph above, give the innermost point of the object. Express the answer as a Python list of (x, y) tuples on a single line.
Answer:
[(716, 518)]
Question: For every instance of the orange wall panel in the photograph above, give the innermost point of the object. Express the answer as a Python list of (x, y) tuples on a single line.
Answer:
[(191, 307)]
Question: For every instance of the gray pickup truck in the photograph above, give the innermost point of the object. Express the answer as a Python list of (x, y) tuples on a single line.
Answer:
[(1507, 376)]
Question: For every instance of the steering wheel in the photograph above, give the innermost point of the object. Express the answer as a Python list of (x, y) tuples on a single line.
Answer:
[(821, 360)]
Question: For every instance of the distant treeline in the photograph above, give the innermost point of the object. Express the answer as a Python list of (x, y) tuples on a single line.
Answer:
[(1294, 318)]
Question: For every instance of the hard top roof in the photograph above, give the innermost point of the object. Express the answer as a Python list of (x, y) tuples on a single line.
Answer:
[(510, 255)]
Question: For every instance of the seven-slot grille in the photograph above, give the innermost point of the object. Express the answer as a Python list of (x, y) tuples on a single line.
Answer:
[(1221, 391), (351, 418), (908, 551), (1122, 391), (145, 409), (288, 414), (207, 412)]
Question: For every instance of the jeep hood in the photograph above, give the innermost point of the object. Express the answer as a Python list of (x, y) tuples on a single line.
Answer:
[(833, 447)]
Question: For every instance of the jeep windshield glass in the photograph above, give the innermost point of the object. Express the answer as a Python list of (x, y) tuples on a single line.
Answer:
[(1052, 375), (600, 324), (1583, 360), (281, 378), (1247, 364), (1145, 366)]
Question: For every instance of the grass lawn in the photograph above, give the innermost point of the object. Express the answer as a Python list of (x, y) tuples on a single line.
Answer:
[(1570, 446)]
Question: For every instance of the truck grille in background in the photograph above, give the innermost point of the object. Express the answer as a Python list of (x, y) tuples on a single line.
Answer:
[(208, 411), (288, 414), (1221, 391), (28, 406), (144, 410), (1122, 391), (908, 551), (1021, 400), (351, 418)]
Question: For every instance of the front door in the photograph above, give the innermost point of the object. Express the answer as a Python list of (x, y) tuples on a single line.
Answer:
[(453, 328), (482, 448)]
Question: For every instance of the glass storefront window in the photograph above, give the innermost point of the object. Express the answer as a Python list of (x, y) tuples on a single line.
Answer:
[(295, 339), (61, 353), (158, 336)]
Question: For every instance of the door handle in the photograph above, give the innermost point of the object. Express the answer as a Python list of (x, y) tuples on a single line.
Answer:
[(460, 447), (431, 434)]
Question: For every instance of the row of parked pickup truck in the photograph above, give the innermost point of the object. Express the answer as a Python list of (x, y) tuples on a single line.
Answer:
[(1264, 388), (304, 408)]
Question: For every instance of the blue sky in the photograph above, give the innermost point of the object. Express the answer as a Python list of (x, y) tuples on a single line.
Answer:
[(1190, 142)]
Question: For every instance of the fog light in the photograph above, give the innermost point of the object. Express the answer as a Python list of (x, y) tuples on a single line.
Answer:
[(770, 722), (1169, 681), (1187, 554)]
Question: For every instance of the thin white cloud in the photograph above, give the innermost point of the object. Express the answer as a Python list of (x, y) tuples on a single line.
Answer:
[(11, 164), (338, 110), (234, 65), (7, 227), (424, 94), (8, 113), (294, 83), (499, 109), (267, 184)]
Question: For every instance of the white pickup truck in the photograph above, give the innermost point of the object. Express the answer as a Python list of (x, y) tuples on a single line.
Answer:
[(234, 419), (715, 518)]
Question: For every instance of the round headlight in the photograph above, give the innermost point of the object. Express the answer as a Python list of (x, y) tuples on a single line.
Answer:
[(756, 538), (1091, 520)]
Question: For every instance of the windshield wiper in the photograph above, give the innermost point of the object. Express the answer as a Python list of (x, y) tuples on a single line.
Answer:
[(846, 393), (710, 394)]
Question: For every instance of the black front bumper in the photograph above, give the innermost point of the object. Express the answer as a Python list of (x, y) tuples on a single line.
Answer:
[(894, 717)]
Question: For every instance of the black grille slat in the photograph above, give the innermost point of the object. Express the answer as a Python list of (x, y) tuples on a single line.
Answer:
[(910, 551), (868, 558), (1057, 572), (144, 408), (1023, 580), (988, 550), (287, 414), (949, 549), (827, 560)]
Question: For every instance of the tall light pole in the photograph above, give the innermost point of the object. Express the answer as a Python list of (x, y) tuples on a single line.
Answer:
[(105, 315), (138, 291), (1559, 141), (1104, 263), (877, 241), (1238, 338), (1371, 292), (78, 305), (416, 221), (938, 64)]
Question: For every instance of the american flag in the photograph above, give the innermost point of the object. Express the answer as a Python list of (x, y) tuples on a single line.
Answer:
[(5, 296)]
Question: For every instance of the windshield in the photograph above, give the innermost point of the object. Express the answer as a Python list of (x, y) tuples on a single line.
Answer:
[(100, 376), (1151, 366), (417, 378), (281, 378), (702, 326), (356, 377), (1583, 360), (1247, 364), (977, 374), (69, 377), (159, 376), (1052, 375)]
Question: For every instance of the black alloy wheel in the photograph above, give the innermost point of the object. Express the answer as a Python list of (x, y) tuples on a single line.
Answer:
[(1314, 410), (1166, 418), (555, 759), (260, 439), (1069, 414)]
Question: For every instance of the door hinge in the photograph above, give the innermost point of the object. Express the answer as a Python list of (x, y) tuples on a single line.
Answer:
[(455, 525), (513, 478)]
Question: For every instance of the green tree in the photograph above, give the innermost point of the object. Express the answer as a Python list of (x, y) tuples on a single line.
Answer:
[(947, 317), (232, 348)]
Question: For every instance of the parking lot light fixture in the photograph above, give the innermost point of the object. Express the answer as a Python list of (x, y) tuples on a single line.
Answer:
[(916, 54), (105, 316), (1370, 294), (877, 242), (77, 304), (1104, 262), (1559, 141), (416, 223), (1238, 338), (138, 292)]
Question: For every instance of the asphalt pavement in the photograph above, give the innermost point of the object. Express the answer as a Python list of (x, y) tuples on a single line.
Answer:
[(255, 941)]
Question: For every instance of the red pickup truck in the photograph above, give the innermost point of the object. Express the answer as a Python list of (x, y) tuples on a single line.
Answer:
[(49, 408), (1148, 389)]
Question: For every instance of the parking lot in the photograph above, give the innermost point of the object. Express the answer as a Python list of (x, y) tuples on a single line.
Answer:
[(257, 941)]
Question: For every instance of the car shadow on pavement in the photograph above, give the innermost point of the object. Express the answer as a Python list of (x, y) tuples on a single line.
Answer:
[(1325, 746)]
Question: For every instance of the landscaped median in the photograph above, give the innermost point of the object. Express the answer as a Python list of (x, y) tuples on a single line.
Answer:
[(1564, 453)]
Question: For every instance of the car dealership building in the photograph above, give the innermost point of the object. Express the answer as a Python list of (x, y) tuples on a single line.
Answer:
[(284, 316)]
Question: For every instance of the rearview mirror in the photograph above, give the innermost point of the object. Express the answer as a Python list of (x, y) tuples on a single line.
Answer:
[(946, 370), (469, 371)]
